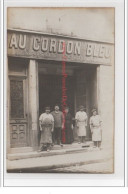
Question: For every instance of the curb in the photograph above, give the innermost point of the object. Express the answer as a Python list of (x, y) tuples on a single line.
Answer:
[(49, 168)]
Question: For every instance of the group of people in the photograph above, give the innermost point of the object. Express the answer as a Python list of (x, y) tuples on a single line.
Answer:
[(52, 125)]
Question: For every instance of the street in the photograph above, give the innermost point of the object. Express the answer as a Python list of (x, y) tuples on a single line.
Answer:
[(99, 167), (89, 161)]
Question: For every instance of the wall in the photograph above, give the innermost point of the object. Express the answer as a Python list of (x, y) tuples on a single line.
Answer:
[(106, 103), (87, 23)]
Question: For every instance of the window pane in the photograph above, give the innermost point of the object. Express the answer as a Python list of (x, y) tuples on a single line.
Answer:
[(16, 94)]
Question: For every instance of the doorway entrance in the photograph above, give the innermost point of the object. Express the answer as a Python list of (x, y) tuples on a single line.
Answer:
[(81, 85)]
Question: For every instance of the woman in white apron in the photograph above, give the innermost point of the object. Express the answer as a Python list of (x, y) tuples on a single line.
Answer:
[(81, 123), (95, 126)]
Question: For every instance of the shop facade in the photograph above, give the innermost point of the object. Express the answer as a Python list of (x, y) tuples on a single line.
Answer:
[(35, 80)]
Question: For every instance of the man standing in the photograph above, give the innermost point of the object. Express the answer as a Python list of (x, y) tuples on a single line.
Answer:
[(58, 121), (46, 122), (81, 123)]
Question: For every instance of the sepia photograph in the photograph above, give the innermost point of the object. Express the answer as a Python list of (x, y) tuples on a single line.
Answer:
[(60, 88)]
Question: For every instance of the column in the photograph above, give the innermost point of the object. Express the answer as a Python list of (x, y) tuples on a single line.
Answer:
[(33, 103), (98, 89)]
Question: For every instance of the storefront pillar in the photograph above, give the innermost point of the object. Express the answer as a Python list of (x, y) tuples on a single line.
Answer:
[(105, 87), (98, 90), (33, 103)]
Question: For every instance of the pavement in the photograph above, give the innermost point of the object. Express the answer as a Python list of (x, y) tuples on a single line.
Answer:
[(71, 159), (56, 150)]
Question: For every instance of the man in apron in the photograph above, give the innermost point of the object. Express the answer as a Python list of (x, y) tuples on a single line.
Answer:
[(46, 122)]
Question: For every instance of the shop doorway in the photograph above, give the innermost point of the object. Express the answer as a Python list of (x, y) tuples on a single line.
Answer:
[(81, 84)]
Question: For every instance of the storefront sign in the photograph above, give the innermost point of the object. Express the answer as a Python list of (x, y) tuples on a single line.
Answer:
[(38, 46)]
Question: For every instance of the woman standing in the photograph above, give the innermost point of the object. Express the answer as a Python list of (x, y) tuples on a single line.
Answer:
[(95, 126), (46, 121), (68, 127), (81, 123)]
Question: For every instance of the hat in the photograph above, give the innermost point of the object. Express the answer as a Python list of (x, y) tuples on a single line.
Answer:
[(93, 110)]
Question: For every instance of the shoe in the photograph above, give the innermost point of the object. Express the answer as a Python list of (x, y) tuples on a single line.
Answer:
[(48, 150), (61, 145), (40, 150), (44, 149), (79, 142)]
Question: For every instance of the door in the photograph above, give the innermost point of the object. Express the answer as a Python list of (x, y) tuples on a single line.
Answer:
[(80, 88), (18, 111), (80, 93), (86, 92)]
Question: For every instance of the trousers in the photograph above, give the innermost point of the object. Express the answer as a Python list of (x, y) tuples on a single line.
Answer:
[(56, 135)]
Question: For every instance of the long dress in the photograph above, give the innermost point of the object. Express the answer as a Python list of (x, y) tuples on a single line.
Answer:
[(95, 125), (81, 122), (46, 128), (68, 129)]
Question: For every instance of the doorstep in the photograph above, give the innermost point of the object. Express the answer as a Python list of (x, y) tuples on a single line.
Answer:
[(57, 150)]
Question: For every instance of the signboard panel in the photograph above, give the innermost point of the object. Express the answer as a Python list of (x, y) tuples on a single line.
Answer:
[(52, 47)]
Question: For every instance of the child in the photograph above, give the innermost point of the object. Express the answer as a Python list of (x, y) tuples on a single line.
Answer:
[(95, 126)]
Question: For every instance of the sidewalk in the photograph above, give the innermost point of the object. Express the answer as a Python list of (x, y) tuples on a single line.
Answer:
[(56, 150), (66, 158)]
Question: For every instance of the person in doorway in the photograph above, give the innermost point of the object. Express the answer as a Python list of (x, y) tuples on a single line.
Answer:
[(58, 121), (46, 122), (95, 126), (68, 127), (81, 123)]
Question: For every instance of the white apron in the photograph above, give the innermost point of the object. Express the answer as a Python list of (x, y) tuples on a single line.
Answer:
[(81, 119), (95, 125)]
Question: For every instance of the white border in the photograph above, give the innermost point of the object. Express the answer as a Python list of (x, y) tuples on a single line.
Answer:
[(116, 179), (1, 89), (126, 93)]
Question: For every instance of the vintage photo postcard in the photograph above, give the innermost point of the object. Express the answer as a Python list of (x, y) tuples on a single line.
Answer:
[(60, 90)]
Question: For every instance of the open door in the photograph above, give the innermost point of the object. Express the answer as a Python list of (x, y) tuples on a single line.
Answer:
[(80, 88), (80, 93), (86, 92)]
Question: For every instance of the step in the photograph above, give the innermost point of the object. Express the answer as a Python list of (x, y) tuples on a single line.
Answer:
[(20, 150), (57, 150)]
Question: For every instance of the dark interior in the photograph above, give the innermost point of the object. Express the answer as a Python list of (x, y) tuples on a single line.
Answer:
[(50, 92)]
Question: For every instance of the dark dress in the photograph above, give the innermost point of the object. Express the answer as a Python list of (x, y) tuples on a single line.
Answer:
[(68, 129)]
